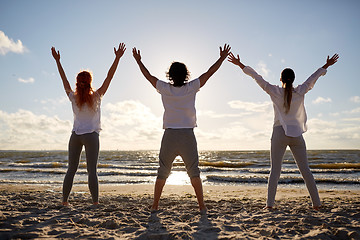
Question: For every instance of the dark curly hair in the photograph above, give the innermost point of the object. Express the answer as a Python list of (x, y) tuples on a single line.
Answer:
[(178, 74)]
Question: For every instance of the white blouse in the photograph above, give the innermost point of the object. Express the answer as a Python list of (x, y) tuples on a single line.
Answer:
[(86, 119), (179, 104), (293, 122)]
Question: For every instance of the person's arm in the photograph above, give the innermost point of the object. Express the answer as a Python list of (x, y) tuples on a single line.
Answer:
[(310, 82), (66, 83), (118, 54), (143, 69), (266, 86), (331, 61), (235, 60), (223, 54)]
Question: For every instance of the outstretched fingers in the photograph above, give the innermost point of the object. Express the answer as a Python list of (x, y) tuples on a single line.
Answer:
[(233, 59), (121, 50), (333, 59), (55, 54), (136, 54), (225, 52)]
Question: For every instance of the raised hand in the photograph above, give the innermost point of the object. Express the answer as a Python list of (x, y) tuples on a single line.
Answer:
[(120, 51), (136, 54), (235, 60), (331, 61), (225, 52), (55, 54)]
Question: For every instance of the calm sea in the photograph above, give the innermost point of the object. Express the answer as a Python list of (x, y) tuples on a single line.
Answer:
[(332, 169)]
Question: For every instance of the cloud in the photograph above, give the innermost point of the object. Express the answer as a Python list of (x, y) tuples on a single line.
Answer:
[(8, 45), (29, 80), (355, 99), (320, 100), (24, 130), (354, 111), (251, 106), (131, 125), (212, 114), (126, 125), (263, 69), (340, 134)]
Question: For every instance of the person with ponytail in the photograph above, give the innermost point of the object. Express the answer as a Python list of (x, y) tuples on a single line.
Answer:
[(86, 108), (179, 120), (289, 124)]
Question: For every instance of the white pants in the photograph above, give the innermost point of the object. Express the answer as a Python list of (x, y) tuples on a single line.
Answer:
[(279, 142)]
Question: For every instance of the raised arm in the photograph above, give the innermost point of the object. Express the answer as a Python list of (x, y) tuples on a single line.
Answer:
[(331, 61), (66, 83), (310, 82), (235, 60), (143, 69), (223, 54), (266, 86), (118, 54)]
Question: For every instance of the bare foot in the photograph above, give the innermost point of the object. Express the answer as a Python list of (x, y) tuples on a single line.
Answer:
[(267, 207), (65, 203), (203, 211), (317, 208)]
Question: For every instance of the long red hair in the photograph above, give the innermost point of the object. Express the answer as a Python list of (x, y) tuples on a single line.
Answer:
[(84, 91)]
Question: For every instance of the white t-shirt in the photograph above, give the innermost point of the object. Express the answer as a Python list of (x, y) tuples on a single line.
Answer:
[(293, 122), (86, 119), (179, 104)]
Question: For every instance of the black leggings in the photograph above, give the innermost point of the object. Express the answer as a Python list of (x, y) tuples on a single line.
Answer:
[(91, 143)]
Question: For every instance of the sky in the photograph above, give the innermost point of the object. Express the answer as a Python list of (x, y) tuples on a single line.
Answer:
[(233, 112)]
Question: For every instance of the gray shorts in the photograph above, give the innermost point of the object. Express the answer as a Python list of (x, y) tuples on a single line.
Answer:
[(178, 142)]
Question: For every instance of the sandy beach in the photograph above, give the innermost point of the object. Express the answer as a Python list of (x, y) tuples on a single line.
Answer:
[(235, 212)]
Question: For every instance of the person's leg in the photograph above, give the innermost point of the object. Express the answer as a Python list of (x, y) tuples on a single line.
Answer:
[(91, 142), (197, 185), (159, 185), (278, 147), (298, 148), (189, 153), (75, 147), (166, 157)]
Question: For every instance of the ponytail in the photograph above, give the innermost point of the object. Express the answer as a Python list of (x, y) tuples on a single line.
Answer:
[(287, 96), (287, 77)]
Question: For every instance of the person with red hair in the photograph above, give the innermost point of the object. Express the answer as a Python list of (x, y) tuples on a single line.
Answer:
[(86, 108)]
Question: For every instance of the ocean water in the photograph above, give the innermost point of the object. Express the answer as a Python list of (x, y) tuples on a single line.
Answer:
[(332, 169)]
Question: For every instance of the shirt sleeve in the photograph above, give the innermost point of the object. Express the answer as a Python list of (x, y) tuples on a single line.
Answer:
[(266, 86), (160, 86), (71, 96), (195, 84), (310, 82)]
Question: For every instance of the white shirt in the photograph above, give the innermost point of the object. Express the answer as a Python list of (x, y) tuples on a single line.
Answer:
[(293, 122), (179, 104), (86, 119)]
